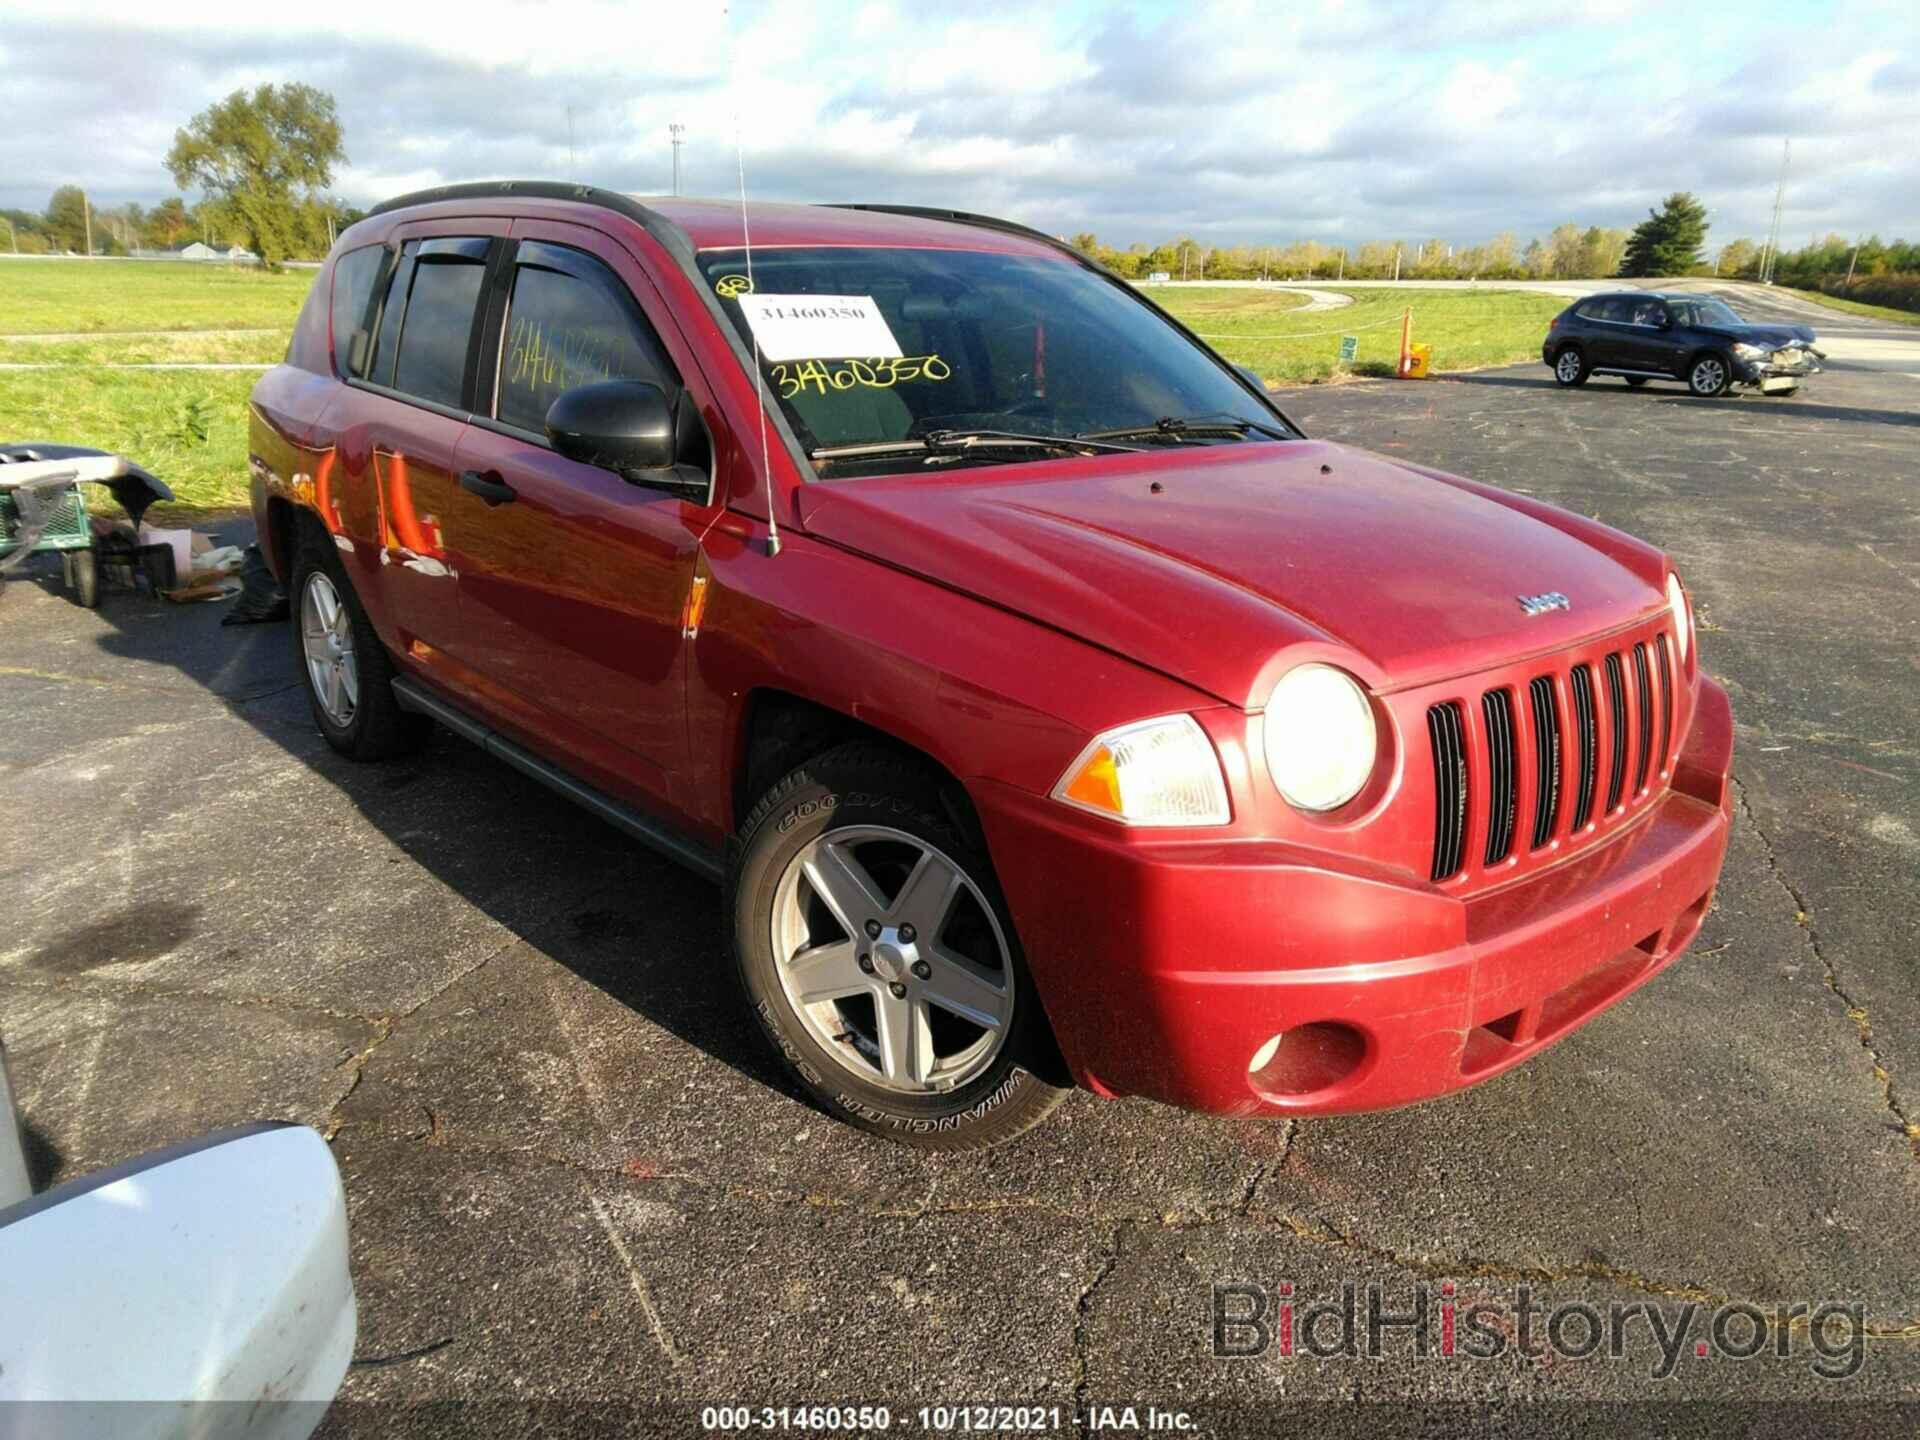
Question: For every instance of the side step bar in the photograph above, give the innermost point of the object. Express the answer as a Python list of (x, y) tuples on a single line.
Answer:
[(648, 831)]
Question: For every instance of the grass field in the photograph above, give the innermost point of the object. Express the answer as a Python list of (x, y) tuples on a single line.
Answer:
[(187, 426), (1855, 307), (1268, 330), (190, 426)]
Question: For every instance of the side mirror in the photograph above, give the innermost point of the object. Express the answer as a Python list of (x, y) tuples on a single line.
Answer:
[(632, 429), (203, 1277), (1252, 377)]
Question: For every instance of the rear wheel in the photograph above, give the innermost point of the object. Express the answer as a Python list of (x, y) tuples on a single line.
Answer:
[(348, 673), (83, 572), (880, 960), (1709, 377), (1570, 367)]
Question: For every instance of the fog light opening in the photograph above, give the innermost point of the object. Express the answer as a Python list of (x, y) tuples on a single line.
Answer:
[(1306, 1059)]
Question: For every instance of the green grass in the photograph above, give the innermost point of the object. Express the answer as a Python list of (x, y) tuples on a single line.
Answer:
[(1466, 328), (1856, 307), (187, 426), (40, 297)]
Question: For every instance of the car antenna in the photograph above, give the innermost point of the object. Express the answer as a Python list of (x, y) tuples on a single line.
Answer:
[(759, 381)]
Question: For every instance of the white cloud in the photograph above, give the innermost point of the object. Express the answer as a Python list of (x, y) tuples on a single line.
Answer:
[(1229, 119)]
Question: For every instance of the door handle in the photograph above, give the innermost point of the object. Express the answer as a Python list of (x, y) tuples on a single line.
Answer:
[(489, 487)]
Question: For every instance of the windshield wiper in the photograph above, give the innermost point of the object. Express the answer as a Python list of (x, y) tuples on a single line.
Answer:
[(1174, 427), (954, 442)]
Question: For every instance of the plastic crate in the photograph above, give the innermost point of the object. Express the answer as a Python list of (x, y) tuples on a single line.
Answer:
[(69, 530)]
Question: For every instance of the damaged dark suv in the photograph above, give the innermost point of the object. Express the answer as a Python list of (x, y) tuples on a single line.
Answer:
[(1702, 342)]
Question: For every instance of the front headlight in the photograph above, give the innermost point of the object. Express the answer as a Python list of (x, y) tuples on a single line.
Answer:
[(1155, 772), (1744, 351), (1320, 738), (1682, 614)]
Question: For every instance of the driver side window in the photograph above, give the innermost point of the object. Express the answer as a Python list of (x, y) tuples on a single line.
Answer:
[(570, 321)]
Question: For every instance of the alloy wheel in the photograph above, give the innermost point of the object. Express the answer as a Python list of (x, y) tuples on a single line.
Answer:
[(1567, 367), (326, 639), (1709, 377), (893, 959)]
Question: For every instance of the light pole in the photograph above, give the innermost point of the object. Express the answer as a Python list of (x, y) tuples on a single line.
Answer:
[(86, 213), (676, 130)]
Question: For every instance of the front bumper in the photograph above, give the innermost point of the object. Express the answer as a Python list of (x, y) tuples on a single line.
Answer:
[(1166, 966), (1780, 368)]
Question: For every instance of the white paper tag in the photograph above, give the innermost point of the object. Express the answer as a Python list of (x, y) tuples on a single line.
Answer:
[(819, 327)]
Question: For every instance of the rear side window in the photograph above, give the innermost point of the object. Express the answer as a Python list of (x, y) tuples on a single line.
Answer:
[(570, 321), (354, 274), (432, 359)]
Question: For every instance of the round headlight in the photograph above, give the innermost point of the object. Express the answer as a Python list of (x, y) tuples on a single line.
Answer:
[(1319, 737), (1682, 616)]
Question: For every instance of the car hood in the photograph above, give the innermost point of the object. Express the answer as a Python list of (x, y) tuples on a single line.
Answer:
[(1228, 566), (1773, 337)]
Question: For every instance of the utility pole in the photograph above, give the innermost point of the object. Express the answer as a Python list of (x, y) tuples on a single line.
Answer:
[(1772, 253), (676, 130), (86, 212), (1396, 262), (1850, 259), (1343, 264)]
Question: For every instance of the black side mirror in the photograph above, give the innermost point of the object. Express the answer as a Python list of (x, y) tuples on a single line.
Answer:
[(1252, 377), (632, 429)]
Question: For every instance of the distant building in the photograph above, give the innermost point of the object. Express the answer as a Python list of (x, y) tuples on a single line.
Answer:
[(240, 252), (197, 251)]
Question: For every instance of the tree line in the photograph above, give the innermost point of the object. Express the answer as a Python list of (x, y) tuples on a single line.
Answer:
[(261, 164), (1671, 241)]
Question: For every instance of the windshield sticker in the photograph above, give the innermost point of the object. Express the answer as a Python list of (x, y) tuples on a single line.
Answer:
[(729, 286), (879, 373), (818, 327)]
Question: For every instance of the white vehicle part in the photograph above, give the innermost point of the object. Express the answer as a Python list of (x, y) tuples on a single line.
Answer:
[(15, 1185), (215, 1271)]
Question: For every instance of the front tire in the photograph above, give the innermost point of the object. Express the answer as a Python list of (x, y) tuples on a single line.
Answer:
[(1570, 367), (348, 673), (1709, 376), (878, 956)]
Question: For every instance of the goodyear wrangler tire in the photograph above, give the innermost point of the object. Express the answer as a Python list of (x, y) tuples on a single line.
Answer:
[(878, 957)]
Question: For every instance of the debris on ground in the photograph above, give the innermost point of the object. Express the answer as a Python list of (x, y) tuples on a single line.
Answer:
[(262, 598)]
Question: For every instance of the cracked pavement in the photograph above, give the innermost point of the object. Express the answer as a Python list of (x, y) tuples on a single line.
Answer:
[(573, 1176)]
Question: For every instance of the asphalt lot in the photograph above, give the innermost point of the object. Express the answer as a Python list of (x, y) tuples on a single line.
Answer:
[(573, 1177)]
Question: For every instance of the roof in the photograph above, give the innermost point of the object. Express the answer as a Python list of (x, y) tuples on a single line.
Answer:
[(716, 224)]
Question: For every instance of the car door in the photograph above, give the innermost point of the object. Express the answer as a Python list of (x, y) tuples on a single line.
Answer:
[(409, 372), (1603, 324), (573, 581), (1640, 345)]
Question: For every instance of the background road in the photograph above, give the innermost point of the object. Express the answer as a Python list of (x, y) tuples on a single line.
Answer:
[(573, 1175)]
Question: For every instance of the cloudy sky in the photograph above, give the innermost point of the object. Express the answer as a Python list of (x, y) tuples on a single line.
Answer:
[(1233, 122)]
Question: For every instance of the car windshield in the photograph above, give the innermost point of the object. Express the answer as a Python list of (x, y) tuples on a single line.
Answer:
[(1706, 312), (904, 353)]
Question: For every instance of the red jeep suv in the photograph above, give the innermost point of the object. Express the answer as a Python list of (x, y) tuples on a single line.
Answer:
[(1051, 709)]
